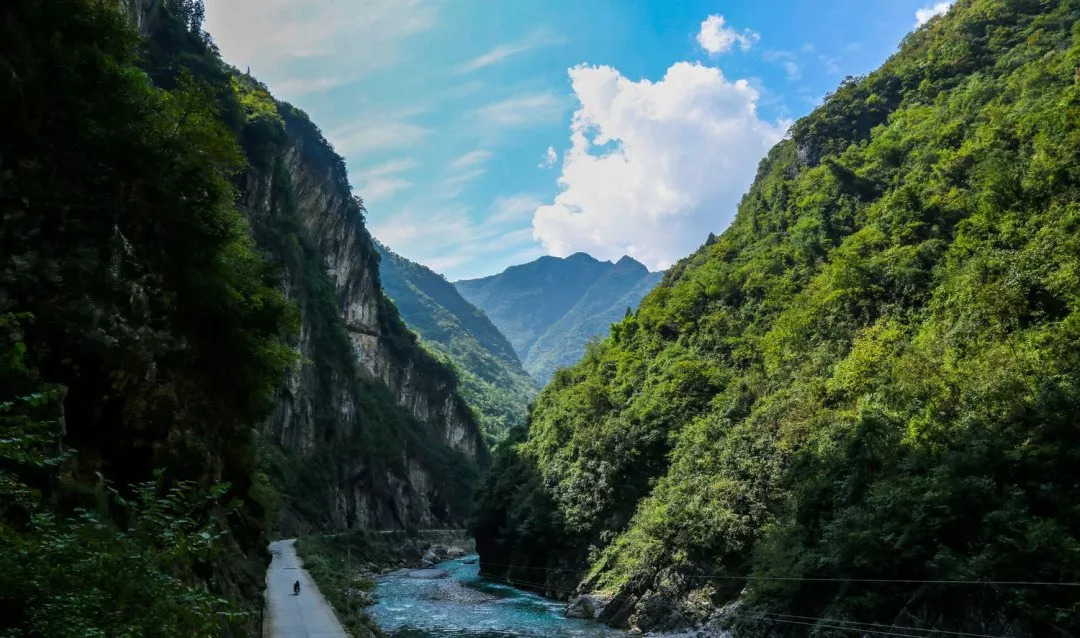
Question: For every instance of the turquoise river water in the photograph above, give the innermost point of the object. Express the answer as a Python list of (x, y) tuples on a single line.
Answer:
[(453, 600)]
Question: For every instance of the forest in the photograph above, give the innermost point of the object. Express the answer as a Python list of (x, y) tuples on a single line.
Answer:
[(857, 406), (178, 383)]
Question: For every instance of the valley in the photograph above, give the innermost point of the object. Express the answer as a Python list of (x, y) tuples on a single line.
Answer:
[(842, 401)]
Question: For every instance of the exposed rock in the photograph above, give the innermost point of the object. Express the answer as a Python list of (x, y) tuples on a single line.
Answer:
[(655, 612), (586, 606), (316, 412), (430, 558), (455, 552), (617, 611)]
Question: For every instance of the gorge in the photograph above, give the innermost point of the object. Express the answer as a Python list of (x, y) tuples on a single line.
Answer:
[(851, 412)]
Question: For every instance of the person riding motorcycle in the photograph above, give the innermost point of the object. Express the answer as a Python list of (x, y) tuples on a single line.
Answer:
[(296, 588)]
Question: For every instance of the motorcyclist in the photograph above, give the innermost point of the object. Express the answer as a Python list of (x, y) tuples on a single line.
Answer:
[(296, 588)]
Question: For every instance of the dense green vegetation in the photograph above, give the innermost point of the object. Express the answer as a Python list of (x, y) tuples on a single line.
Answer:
[(618, 290), (492, 379), (550, 308), (143, 336), (872, 375)]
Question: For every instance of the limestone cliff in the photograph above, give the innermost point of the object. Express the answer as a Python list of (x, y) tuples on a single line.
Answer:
[(318, 411), (368, 430)]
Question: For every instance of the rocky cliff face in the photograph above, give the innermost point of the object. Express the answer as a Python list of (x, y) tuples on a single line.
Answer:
[(368, 430), (318, 413)]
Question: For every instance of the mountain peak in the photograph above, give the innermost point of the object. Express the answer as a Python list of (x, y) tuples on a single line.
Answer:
[(627, 260), (581, 256)]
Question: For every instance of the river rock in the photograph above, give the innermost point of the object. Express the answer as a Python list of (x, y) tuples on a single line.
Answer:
[(429, 559), (655, 612), (454, 552), (585, 606)]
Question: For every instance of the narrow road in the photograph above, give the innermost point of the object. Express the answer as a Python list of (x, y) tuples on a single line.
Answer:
[(305, 616)]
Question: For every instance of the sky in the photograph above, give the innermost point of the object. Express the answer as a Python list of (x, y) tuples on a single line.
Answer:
[(486, 133)]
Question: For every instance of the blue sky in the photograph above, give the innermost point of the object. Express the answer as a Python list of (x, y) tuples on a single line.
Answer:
[(486, 133)]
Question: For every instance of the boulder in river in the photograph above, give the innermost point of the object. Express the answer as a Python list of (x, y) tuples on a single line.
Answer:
[(430, 558), (455, 552)]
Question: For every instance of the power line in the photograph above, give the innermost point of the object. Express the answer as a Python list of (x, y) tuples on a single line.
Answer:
[(870, 624), (1009, 583), (823, 623)]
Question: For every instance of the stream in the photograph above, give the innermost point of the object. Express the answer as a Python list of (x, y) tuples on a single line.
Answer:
[(451, 599)]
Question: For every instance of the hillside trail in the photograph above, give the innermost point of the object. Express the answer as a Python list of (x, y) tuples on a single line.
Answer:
[(303, 615)]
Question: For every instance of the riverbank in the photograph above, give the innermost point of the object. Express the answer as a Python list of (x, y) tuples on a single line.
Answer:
[(452, 599), (345, 565)]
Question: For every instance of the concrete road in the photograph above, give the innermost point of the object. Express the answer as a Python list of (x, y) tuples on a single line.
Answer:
[(305, 616)]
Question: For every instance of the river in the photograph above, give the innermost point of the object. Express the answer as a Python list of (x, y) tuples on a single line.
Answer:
[(452, 599)]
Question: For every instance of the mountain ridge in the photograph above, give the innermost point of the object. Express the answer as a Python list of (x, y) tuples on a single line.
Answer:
[(544, 309), (493, 380), (857, 406)]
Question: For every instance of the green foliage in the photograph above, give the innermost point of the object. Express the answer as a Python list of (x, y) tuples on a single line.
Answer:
[(77, 573), (492, 379), (337, 563), (871, 375), (146, 317)]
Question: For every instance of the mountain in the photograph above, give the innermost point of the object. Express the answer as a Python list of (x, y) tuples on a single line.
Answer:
[(858, 406), (195, 351), (550, 308), (492, 379)]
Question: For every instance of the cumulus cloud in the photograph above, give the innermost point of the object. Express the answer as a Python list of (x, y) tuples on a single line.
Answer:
[(653, 166), (922, 16), (717, 38)]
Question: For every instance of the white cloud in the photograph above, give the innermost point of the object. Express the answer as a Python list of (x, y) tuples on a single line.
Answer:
[(787, 60), (298, 47), (376, 131), (472, 158), (456, 242), (521, 110), (550, 157), (501, 52), (792, 70), (514, 209), (462, 170), (922, 16), (382, 181), (716, 38), (674, 158)]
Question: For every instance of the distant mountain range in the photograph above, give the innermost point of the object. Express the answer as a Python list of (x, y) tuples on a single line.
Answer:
[(550, 308), (493, 380)]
